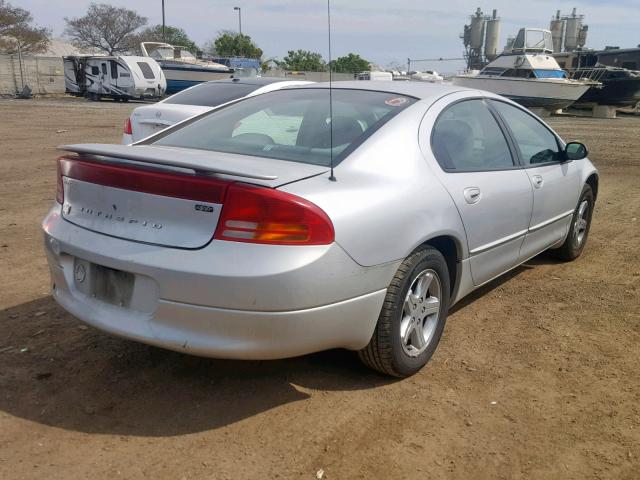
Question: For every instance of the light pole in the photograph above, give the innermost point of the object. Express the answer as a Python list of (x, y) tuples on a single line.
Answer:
[(239, 29), (163, 36), (239, 19)]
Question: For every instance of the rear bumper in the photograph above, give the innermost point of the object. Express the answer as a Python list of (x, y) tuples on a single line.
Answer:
[(235, 334), (249, 302)]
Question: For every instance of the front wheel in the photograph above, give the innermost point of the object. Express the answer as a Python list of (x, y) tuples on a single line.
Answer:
[(413, 316), (579, 230)]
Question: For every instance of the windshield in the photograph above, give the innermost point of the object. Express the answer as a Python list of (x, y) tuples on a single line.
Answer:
[(186, 54), (162, 52), (292, 124)]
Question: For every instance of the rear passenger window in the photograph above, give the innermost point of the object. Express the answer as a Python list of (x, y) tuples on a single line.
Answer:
[(467, 138), (536, 142)]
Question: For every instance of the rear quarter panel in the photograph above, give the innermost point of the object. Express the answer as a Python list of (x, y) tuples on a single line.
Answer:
[(386, 200)]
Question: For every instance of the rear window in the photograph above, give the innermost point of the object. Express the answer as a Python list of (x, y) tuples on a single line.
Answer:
[(212, 94), (146, 70), (292, 124)]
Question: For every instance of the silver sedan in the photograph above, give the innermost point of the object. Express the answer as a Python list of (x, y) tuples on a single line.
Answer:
[(308, 218)]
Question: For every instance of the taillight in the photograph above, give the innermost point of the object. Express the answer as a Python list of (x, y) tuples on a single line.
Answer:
[(127, 127), (60, 186), (264, 215)]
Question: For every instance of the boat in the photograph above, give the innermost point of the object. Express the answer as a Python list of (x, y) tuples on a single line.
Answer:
[(430, 76), (528, 74), (181, 68), (620, 86), (628, 58)]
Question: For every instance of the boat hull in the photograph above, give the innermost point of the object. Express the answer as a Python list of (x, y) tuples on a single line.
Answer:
[(180, 77), (534, 93), (622, 92)]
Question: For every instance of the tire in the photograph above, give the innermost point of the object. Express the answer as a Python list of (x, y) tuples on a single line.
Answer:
[(579, 230), (387, 351)]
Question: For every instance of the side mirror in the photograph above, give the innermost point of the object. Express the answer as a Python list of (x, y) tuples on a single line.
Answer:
[(575, 151)]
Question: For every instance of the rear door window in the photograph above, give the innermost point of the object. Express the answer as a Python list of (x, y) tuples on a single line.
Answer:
[(466, 138)]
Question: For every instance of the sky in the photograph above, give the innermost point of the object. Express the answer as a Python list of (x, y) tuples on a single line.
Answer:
[(382, 31)]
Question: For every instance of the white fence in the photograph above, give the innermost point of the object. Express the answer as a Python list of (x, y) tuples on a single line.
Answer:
[(44, 75)]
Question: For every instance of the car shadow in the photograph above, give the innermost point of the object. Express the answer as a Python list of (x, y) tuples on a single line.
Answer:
[(544, 258), (59, 372)]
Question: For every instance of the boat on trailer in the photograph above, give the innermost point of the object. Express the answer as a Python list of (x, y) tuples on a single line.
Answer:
[(620, 86), (181, 68), (528, 74)]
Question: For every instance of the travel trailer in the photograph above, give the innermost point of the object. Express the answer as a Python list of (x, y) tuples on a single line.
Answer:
[(121, 78)]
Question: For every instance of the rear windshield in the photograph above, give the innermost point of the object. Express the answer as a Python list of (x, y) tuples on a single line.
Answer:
[(212, 94), (146, 70), (293, 124)]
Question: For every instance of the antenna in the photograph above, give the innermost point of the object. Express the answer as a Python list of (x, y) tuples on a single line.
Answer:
[(331, 177)]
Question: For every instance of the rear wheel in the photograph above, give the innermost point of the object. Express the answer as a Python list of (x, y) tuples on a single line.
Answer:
[(579, 230), (412, 317)]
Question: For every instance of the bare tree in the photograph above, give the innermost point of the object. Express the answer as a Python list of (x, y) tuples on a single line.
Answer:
[(105, 28), (16, 32)]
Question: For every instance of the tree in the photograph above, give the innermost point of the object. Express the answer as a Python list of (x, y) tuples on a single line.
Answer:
[(16, 32), (173, 35), (232, 44), (352, 63), (105, 28), (302, 60)]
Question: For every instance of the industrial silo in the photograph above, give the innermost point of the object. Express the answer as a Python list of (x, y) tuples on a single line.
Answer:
[(476, 33), (557, 27), (492, 37), (582, 36), (572, 31)]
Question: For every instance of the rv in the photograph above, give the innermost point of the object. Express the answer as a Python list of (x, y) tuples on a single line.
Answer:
[(121, 78)]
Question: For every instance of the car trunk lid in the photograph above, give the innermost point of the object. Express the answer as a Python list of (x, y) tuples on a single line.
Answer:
[(160, 195), (151, 119)]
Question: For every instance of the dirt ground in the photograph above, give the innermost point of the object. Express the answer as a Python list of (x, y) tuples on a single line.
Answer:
[(537, 375)]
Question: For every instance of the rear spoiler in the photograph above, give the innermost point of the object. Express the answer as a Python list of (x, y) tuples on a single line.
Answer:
[(196, 160)]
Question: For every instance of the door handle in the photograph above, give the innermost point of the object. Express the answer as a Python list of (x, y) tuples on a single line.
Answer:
[(537, 180), (472, 195)]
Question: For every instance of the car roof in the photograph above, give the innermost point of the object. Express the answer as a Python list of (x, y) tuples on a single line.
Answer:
[(258, 81), (420, 90)]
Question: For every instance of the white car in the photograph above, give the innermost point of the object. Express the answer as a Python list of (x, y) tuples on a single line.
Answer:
[(150, 119)]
